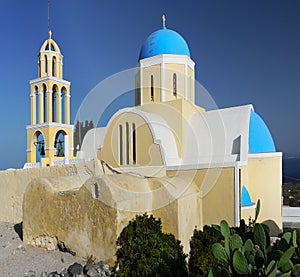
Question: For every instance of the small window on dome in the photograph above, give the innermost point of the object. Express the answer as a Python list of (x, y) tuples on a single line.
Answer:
[(175, 84), (152, 89)]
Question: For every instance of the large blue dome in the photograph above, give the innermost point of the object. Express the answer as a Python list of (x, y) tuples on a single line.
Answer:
[(260, 138), (164, 41)]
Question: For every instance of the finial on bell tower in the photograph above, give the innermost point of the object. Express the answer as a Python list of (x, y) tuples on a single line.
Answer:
[(49, 30), (164, 21)]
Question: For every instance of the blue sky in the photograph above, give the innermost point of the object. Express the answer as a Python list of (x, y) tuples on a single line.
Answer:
[(245, 52)]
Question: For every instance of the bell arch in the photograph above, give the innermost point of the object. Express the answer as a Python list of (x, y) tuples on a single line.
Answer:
[(38, 145), (59, 143)]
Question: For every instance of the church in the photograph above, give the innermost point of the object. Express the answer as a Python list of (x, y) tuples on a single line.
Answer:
[(165, 156)]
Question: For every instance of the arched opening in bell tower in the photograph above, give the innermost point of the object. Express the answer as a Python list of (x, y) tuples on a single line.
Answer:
[(63, 101), (39, 146), (59, 143), (45, 102), (54, 73), (54, 97)]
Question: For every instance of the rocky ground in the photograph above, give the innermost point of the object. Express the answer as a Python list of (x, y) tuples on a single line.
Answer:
[(291, 194), (17, 259)]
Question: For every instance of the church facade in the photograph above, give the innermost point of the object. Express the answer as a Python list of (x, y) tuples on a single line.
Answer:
[(229, 153), (165, 156)]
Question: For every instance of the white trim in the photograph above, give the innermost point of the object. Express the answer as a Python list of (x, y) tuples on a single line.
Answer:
[(162, 80), (237, 215), (50, 148), (166, 58), (264, 155), (185, 82), (51, 78), (204, 166), (141, 86), (249, 207), (49, 124)]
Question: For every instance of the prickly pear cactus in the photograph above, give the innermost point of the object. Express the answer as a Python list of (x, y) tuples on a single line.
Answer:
[(240, 263), (219, 252)]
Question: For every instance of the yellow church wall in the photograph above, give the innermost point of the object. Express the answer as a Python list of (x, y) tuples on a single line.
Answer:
[(147, 152), (217, 193), (49, 133), (191, 84), (265, 183), (155, 71), (170, 69)]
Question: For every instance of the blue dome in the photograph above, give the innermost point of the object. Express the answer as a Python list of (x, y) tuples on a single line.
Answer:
[(260, 138), (246, 199), (164, 41)]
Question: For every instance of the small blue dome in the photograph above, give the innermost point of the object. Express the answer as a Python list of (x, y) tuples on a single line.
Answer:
[(260, 138), (164, 41), (246, 199)]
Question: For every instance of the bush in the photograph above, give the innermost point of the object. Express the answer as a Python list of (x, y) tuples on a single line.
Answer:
[(144, 250), (201, 259)]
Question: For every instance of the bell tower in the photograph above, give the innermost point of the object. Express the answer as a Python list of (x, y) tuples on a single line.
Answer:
[(50, 134)]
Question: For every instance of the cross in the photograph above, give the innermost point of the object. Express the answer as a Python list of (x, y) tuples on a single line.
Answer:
[(164, 21)]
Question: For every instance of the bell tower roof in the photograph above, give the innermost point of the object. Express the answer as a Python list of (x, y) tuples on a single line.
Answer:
[(50, 45)]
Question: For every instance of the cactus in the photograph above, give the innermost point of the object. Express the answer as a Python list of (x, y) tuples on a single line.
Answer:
[(225, 231), (240, 263), (271, 269), (260, 236), (235, 242), (247, 251), (219, 252), (284, 263)]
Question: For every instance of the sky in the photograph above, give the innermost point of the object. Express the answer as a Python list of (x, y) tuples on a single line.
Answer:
[(245, 52)]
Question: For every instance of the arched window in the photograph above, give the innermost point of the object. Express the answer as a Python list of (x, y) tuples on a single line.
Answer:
[(45, 102), (46, 64), (127, 143), (121, 144), (54, 67), (151, 88), (175, 84), (133, 144)]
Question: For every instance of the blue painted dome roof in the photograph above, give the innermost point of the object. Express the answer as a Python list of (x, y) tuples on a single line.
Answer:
[(260, 138), (246, 199), (164, 41)]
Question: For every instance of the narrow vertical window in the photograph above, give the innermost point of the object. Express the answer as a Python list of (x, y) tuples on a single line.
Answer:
[(127, 143), (152, 89), (121, 144), (54, 67), (133, 144), (175, 84), (36, 104), (46, 64), (54, 95), (63, 101), (45, 102)]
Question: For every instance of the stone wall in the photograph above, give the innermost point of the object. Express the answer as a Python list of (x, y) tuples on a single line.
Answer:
[(13, 184), (88, 219)]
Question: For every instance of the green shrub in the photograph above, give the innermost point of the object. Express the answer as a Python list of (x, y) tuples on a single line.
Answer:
[(201, 259), (144, 250)]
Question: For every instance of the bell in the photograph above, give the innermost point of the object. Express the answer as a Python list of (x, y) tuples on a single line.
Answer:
[(42, 151)]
